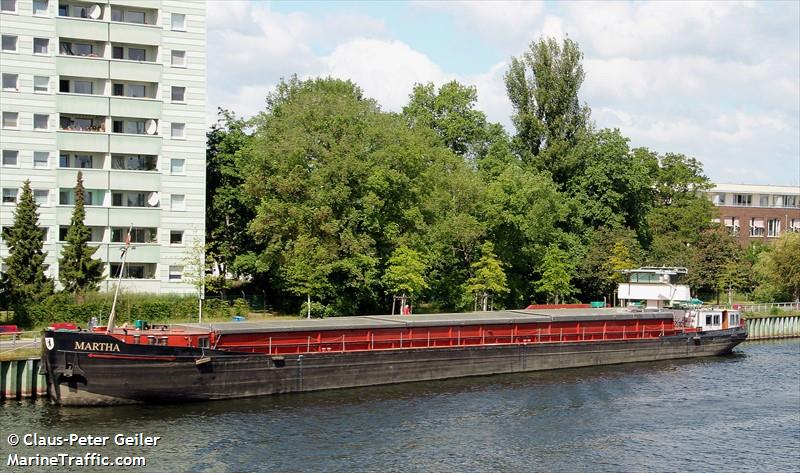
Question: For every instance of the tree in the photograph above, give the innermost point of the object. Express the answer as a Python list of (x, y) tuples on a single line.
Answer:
[(405, 274), (543, 85), (778, 269), (78, 272), (488, 277), (556, 275), (451, 113), (229, 210), (711, 258), (24, 280), (307, 269)]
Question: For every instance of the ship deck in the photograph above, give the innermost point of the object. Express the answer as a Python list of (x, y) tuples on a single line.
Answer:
[(504, 317)]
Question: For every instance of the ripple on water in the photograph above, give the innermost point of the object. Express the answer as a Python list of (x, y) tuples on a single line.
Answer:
[(734, 413)]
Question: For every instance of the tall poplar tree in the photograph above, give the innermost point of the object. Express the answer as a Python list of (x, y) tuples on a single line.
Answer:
[(24, 279), (78, 272)]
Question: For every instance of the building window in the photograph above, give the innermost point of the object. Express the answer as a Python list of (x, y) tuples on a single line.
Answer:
[(176, 237), (178, 130), (63, 10), (41, 159), (8, 6), (118, 90), (138, 234), (41, 84), (773, 227), (8, 43), (135, 90), (785, 201), (134, 270), (743, 199), (179, 22), (178, 58), (137, 54), (134, 162), (41, 196), (763, 201), (756, 227), (10, 119), (178, 94), (178, 202), (40, 7), (9, 195), (134, 17), (40, 45), (134, 199), (10, 157), (795, 225), (175, 273), (718, 199), (732, 225), (11, 82), (118, 52), (177, 166), (83, 87), (40, 121), (76, 49)]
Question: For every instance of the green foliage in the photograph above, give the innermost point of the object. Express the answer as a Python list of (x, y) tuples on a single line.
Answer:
[(229, 209), (78, 271), (323, 195), (24, 281), (543, 87), (715, 261), (556, 279), (65, 307), (778, 269), (488, 277), (405, 273)]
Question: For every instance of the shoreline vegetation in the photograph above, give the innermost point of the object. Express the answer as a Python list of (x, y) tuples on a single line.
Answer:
[(326, 204)]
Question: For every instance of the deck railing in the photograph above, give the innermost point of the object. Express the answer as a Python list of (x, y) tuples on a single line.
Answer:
[(276, 346)]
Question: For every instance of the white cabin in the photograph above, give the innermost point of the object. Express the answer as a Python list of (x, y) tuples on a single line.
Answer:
[(706, 320), (657, 287)]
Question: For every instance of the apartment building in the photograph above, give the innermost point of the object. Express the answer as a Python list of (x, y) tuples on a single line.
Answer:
[(755, 212), (115, 89)]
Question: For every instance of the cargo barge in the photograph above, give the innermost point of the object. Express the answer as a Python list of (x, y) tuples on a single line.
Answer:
[(197, 362)]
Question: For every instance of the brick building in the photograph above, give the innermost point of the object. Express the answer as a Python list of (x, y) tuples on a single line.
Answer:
[(756, 212)]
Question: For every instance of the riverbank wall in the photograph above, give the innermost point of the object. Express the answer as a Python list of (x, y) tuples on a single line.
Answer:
[(21, 379), (772, 327)]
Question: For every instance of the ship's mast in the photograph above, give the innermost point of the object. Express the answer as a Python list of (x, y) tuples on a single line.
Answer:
[(125, 251)]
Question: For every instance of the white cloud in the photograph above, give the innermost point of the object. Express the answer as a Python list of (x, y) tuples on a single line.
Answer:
[(716, 80), (386, 70)]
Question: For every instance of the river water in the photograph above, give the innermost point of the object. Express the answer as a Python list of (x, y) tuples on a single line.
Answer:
[(735, 413)]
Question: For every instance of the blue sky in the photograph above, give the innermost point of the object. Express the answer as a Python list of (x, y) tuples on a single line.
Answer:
[(719, 81)]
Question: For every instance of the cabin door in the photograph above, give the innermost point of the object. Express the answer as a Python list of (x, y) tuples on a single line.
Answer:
[(724, 319)]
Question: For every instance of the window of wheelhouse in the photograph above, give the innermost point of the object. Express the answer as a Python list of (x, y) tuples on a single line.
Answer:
[(202, 342)]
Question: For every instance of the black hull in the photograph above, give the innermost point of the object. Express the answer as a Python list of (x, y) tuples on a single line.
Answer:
[(159, 374)]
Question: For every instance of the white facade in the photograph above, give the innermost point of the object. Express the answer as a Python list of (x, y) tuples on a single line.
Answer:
[(115, 89)]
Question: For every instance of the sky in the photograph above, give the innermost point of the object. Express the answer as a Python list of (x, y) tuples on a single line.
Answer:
[(718, 81)]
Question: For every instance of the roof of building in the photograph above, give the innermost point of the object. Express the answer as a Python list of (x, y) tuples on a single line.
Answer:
[(755, 189)]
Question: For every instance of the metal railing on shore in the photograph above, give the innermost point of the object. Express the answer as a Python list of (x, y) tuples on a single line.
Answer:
[(769, 306), (14, 341)]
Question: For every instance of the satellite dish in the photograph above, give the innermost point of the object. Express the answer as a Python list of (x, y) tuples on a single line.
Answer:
[(95, 12), (152, 201), (151, 127)]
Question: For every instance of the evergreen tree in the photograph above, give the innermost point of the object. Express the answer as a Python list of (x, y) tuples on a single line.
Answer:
[(24, 279), (78, 272)]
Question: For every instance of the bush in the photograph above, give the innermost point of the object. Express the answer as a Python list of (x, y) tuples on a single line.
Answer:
[(318, 310), (62, 307)]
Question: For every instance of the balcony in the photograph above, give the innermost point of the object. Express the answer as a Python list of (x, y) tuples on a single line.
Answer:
[(80, 28), (95, 216), (151, 4), (141, 216), (135, 71), (134, 144), (141, 253), (135, 107), (135, 34), (90, 142), (78, 66), (82, 104), (92, 178), (135, 180)]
